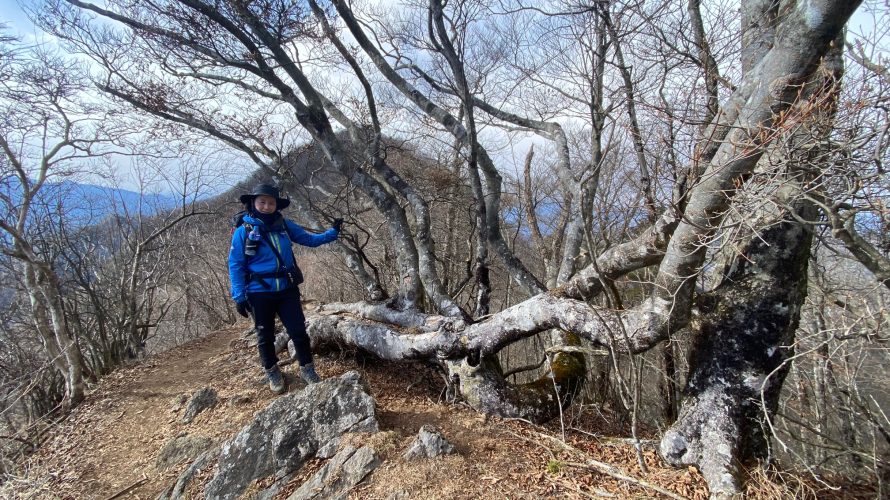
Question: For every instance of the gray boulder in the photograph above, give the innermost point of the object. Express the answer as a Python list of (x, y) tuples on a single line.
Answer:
[(178, 402), (429, 443), (291, 430), (328, 450), (178, 489), (203, 399), (182, 448), (345, 470)]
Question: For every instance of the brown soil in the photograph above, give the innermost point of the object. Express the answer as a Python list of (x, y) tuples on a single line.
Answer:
[(109, 444)]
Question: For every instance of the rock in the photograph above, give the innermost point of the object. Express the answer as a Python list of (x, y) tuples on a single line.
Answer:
[(429, 443), (328, 450), (203, 399), (178, 402), (290, 430), (281, 341), (339, 475), (182, 448), (291, 351), (177, 491), (272, 491), (239, 399)]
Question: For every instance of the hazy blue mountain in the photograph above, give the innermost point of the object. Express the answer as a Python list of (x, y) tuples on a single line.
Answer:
[(85, 204)]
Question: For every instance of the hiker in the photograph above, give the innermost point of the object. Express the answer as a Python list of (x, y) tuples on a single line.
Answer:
[(265, 277)]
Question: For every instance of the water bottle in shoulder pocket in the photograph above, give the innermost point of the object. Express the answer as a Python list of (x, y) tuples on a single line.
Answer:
[(253, 240)]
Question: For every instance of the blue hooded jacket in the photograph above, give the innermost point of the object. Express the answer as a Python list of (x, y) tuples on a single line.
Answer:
[(281, 234)]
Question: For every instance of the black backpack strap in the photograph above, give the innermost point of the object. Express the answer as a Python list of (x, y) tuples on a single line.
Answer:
[(294, 275)]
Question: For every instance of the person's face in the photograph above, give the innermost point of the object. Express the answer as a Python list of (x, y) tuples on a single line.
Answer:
[(264, 204)]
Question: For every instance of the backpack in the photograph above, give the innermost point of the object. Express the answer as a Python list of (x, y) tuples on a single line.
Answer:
[(238, 220)]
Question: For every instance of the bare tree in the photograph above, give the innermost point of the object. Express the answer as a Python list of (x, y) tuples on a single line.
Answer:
[(44, 132), (210, 60)]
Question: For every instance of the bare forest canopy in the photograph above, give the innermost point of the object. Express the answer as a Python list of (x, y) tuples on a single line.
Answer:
[(676, 210)]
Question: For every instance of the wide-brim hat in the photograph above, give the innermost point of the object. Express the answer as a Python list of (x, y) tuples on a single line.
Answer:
[(265, 190)]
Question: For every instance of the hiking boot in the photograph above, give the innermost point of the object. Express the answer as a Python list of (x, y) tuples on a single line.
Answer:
[(307, 373), (276, 380)]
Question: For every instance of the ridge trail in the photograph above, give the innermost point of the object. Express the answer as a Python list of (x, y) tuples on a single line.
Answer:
[(109, 445)]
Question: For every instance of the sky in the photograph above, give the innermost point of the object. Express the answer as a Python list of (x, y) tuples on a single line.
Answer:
[(13, 16), (17, 23)]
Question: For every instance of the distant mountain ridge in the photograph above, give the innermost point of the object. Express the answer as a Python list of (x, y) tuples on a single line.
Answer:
[(85, 204)]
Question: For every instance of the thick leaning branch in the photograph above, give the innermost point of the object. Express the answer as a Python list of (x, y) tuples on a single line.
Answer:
[(806, 36), (420, 209), (453, 126), (645, 250)]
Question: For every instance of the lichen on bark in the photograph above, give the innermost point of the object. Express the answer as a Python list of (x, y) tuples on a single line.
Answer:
[(739, 359)]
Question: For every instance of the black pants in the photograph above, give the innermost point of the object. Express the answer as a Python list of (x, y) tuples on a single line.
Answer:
[(286, 304)]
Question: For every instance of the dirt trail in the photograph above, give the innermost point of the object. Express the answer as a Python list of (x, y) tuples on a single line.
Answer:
[(109, 445), (112, 440)]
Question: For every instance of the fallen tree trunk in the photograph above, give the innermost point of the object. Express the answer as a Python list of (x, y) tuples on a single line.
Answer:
[(467, 352)]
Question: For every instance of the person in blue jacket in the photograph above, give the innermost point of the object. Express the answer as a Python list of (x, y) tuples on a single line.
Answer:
[(265, 278)]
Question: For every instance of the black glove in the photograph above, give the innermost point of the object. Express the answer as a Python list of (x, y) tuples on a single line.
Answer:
[(338, 224), (243, 307)]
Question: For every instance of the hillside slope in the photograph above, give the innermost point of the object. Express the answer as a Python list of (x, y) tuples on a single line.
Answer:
[(108, 447)]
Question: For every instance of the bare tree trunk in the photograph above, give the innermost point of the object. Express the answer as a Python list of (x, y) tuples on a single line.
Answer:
[(739, 358), (709, 65), (450, 254), (636, 133), (43, 289), (669, 382), (739, 361), (73, 357), (42, 321), (532, 217), (821, 369)]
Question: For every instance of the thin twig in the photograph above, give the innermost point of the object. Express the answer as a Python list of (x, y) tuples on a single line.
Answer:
[(525, 368), (607, 469), (562, 420), (617, 474), (129, 488), (20, 440), (597, 493), (603, 467)]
